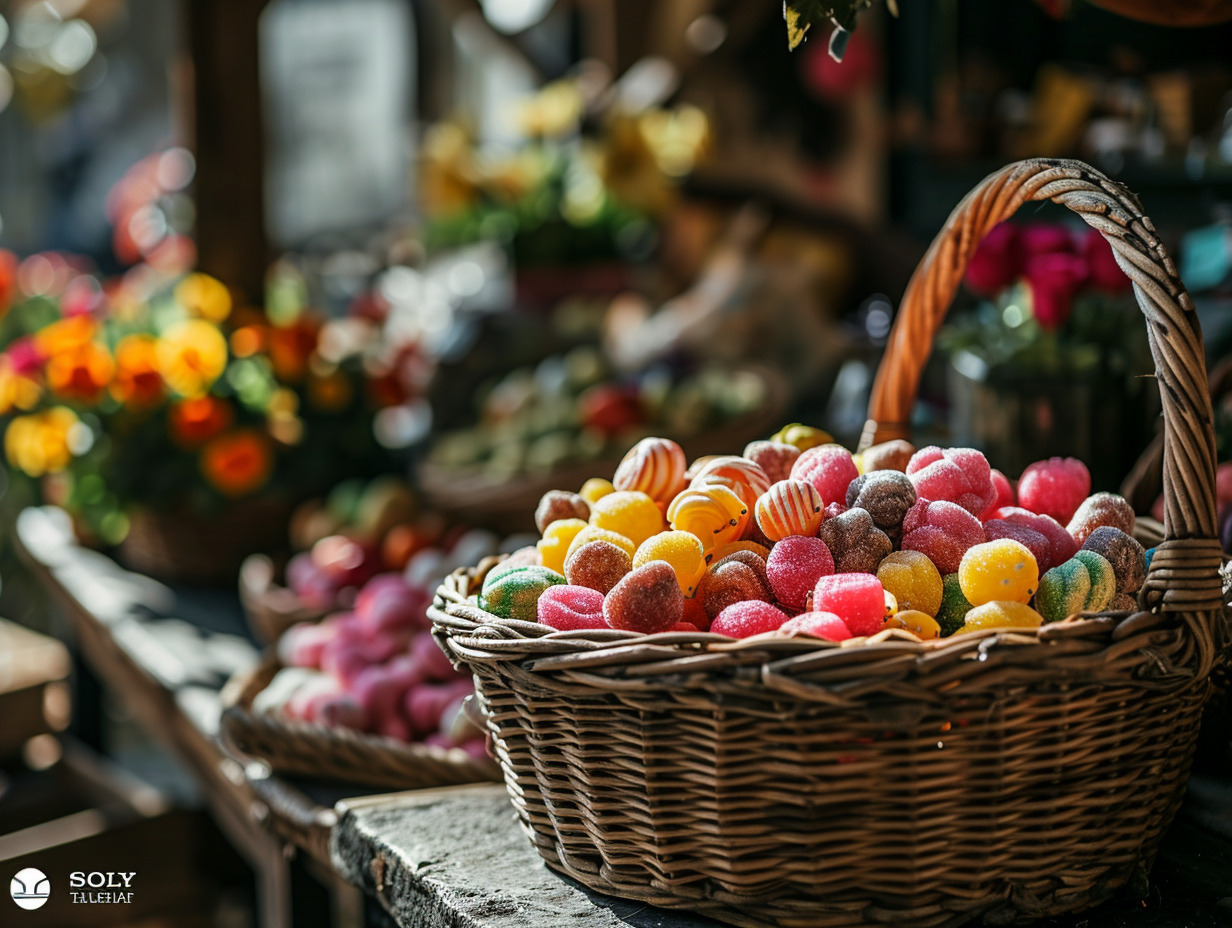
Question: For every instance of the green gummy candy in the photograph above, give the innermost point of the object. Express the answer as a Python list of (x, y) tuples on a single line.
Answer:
[(954, 605), (1063, 591), (1103, 580), (514, 593)]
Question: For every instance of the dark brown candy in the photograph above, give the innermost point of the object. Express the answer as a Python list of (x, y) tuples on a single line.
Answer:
[(1123, 552), (560, 504), (855, 541), (886, 495)]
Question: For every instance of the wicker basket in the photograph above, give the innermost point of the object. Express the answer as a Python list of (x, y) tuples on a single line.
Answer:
[(336, 754), (269, 607), (997, 774)]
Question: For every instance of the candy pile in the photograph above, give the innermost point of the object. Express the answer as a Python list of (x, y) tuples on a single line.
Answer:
[(799, 536)]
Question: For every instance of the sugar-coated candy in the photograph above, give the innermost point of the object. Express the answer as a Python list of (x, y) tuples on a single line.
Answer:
[(829, 468), (554, 545), (773, 457), (1124, 552), (628, 513), (1103, 579), (594, 533), (740, 475), (682, 550), (695, 613), (1036, 543), (599, 565), (886, 495), (954, 605), (696, 467), (857, 545), (913, 579), (1009, 614), (888, 455), (736, 578), (833, 509), (654, 466), (715, 514), (803, 437), (941, 530), (570, 608), (525, 557), (1055, 487), (1123, 602), (721, 551), (745, 619), (789, 507), (560, 504), (920, 624), (514, 594), (959, 475), (795, 565), (1099, 510), (647, 600), (1078, 585), (595, 489), (1004, 491), (817, 624), (858, 599), (1003, 570), (1061, 544)]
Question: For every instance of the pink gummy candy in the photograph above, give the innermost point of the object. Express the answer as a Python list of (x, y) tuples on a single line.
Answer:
[(829, 468), (744, 619), (942, 531), (795, 565), (833, 509), (1061, 543), (1055, 487), (571, 608), (818, 624), (858, 599), (432, 661), (959, 475), (1004, 497)]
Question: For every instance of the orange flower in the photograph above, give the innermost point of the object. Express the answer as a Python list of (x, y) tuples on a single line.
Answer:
[(191, 356), (45, 442), (80, 373), (247, 340), (137, 380), (195, 421), (291, 346), (204, 296), (65, 335), (238, 463)]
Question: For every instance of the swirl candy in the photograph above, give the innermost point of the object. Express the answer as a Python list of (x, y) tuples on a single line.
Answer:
[(740, 475), (789, 507), (654, 466), (715, 514)]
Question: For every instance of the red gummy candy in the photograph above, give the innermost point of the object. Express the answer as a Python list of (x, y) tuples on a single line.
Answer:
[(1055, 487), (1034, 541), (747, 618), (942, 531), (795, 565), (829, 468), (858, 599), (570, 608), (818, 624), (1061, 543), (647, 600), (959, 475)]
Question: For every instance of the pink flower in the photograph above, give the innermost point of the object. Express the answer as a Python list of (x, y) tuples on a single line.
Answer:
[(24, 355), (996, 261), (1106, 274), (1042, 238), (1054, 278)]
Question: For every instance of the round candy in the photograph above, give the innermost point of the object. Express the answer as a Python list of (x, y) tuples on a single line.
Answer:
[(732, 580), (795, 565), (514, 594), (646, 600), (941, 530), (920, 624), (570, 608), (858, 599), (1124, 552), (1055, 487), (628, 513), (857, 545), (1063, 591), (889, 455), (599, 565), (829, 468), (740, 475), (1061, 544), (803, 437), (789, 507), (554, 545), (745, 619), (595, 489), (1002, 615), (1099, 510), (818, 624), (960, 475), (954, 605), (654, 466), (998, 571), (773, 457), (1036, 543), (557, 505), (913, 579), (682, 550), (592, 533), (715, 514), (886, 495)]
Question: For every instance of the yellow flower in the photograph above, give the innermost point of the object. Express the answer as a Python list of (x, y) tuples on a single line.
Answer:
[(553, 112), (204, 296), (44, 442), (16, 390), (191, 356)]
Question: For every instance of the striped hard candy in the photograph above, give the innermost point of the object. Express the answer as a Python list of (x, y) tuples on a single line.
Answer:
[(789, 507), (654, 466)]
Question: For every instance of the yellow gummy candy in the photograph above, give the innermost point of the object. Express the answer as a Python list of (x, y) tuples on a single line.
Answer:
[(914, 579), (554, 545), (595, 489), (713, 513), (920, 624), (1003, 570), (628, 512), (592, 533), (802, 436), (996, 614), (682, 550)]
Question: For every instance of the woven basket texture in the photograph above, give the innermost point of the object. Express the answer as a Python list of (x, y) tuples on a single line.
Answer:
[(1001, 775)]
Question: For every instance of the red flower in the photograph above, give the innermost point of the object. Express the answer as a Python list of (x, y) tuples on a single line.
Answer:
[(1106, 274), (1042, 238), (996, 261), (8, 280), (1054, 278)]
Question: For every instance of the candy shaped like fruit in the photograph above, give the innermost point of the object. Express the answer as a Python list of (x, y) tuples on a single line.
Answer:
[(998, 571), (654, 466), (745, 619), (1055, 487), (554, 545), (344, 560), (774, 457), (803, 437), (824, 625), (1074, 587), (629, 513), (1124, 552), (886, 495), (682, 550), (1061, 544), (1004, 494), (595, 489), (387, 603), (858, 599), (954, 605), (1032, 540), (789, 507), (715, 514), (736, 578), (591, 533), (571, 608), (920, 624), (959, 475), (857, 545), (1098, 511), (560, 504), (888, 455), (599, 565), (942, 531), (829, 468), (647, 600), (795, 565), (514, 594), (913, 579), (1001, 615)]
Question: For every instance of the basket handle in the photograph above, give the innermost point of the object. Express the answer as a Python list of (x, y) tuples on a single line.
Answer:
[(1184, 570)]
